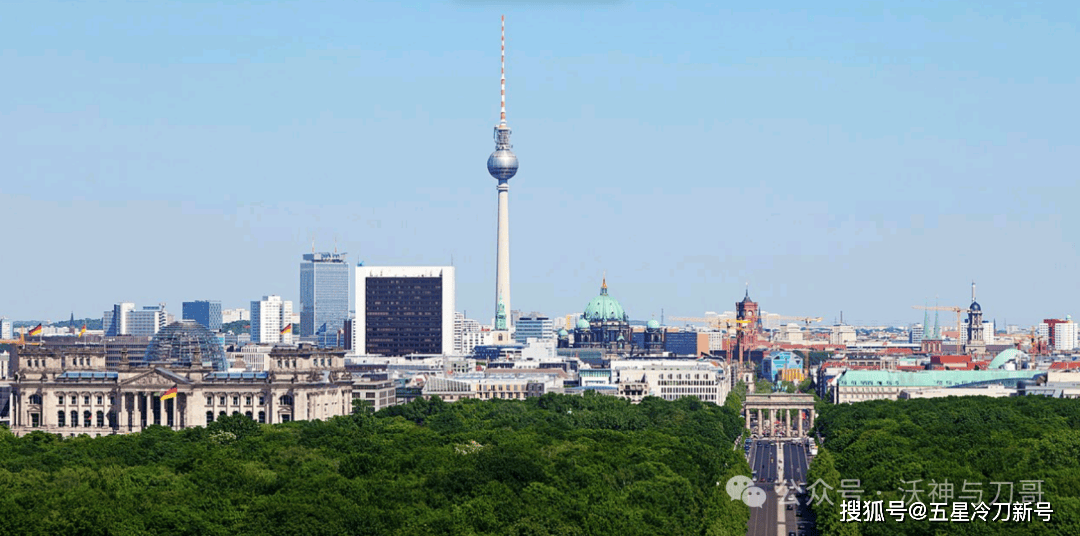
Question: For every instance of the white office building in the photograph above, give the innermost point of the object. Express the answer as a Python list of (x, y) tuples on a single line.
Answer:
[(234, 315), (271, 321), (7, 331), (124, 319), (1065, 335), (534, 326)]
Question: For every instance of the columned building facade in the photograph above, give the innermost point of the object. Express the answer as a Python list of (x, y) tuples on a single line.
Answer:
[(69, 391)]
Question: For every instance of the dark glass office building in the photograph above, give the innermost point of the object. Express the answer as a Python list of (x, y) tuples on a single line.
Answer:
[(404, 310)]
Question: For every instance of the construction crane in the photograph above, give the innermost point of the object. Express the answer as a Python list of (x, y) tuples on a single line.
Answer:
[(804, 319), (958, 310), (711, 321)]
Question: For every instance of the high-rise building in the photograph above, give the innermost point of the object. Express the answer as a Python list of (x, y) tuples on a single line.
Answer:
[(234, 315), (535, 326), (403, 310), (205, 312), (7, 330), (115, 322), (915, 335), (502, 165), (1065, 335), (324, 293), (147, 321), (124, 319), (271, 321)]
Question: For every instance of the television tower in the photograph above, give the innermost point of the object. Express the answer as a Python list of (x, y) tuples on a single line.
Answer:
[(503, 165)]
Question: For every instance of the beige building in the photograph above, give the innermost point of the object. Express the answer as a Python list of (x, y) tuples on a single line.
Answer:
[(70, 392)]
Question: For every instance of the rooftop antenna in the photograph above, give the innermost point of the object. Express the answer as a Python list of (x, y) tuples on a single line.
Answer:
[(313, 243), (502, 78), (335, 244)]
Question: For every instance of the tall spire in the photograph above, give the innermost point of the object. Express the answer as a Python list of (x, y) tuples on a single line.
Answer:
[(972, 292), (502, 77)]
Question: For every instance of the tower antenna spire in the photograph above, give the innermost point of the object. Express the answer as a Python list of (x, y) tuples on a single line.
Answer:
[(502, 76)]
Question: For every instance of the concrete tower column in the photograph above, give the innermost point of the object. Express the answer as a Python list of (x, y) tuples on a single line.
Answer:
[(760, 422), (787, 420), (502, 254), (747, 418), (772, 422), (800, 419)]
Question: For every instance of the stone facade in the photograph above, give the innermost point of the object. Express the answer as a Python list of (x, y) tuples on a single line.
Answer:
[(70, 392)]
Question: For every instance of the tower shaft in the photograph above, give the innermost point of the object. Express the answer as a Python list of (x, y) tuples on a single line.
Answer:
[(502, 259)]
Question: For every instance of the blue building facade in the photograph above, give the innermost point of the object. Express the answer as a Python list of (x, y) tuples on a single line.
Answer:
[(205, 312), (772, 364), (324, 293)]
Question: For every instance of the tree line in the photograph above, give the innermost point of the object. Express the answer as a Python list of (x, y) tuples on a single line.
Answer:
[(555, 464)]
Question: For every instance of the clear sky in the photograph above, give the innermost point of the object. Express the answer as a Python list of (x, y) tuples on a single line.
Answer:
[(857, 156)]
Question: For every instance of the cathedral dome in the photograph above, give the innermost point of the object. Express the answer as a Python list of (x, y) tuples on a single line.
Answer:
[(582, 323), (975, 306), (604, 308), (652, 324)]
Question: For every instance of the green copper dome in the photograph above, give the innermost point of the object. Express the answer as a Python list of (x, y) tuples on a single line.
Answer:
[(563, 333), (582, 323), (604, 308), (652, 324)]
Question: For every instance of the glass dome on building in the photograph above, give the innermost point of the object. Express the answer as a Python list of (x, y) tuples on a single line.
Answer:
[(186, 343)]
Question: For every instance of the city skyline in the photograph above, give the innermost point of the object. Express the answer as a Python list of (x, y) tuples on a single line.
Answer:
[(909, 163)]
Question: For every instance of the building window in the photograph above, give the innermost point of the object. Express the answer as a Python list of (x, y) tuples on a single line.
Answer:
[(112, 419), (112, 400), (222, 400), (87, 419), (35, 399), (236, 401), (286, 418), (74, 419), (262, 417), (35, 420), (210, 401), (262, 400), (247, 402), (99, 400), (286, 400), (60, 418), (209, 417), (101, 419), (247, 414), (59, 399), (74, 399), (86, 399)]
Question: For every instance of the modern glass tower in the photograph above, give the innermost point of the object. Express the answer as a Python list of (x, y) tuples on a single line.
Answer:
[(324, 293)]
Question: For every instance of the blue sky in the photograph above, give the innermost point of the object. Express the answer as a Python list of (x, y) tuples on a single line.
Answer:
[(856, 156)]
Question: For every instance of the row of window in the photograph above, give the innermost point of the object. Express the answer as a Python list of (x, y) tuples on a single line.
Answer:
[(291, 363), (285, 400), (88, 418), (99, 399)]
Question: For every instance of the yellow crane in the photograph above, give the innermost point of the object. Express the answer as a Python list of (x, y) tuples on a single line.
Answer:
[(959, 313)]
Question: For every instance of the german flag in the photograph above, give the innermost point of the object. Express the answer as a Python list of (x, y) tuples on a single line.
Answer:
[(287, 329), (83, 330), (171, 393), (36, 331)]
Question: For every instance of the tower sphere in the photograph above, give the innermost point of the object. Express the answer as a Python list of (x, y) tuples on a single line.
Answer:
[(502, 164)]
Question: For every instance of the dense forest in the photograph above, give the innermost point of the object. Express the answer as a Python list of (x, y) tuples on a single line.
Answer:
[(555, 464), (980, 440)]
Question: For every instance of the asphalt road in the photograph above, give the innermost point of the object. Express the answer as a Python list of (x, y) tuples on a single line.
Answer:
[(773, 518)]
